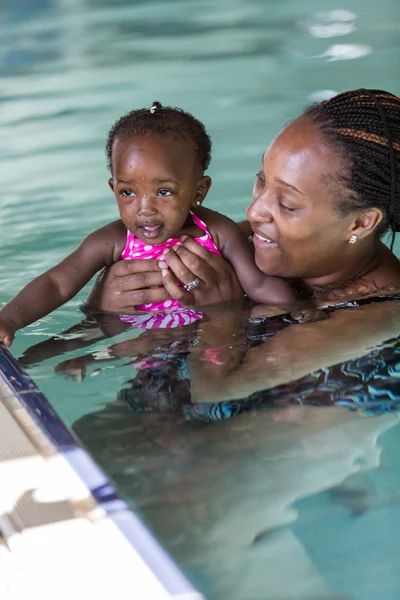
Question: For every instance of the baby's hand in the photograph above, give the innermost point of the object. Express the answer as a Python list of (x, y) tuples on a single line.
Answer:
[(7, 334)]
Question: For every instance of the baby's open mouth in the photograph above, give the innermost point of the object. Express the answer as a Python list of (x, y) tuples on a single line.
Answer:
[(150, 231)]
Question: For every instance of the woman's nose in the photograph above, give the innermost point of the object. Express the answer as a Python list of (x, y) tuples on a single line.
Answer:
[(146, 206), (259, 210)]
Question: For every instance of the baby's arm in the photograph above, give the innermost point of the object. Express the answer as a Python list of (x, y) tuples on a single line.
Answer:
[(235, 247), (61, 283)]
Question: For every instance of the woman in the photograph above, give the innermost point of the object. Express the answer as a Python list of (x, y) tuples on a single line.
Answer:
[(328, 189), (223, 496)]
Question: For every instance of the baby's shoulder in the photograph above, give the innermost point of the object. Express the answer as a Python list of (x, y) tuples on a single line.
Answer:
[(113, 232), (109, 239), (222, 228), (214, 219)]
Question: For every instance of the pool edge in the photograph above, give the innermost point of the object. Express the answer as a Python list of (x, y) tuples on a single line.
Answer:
[(21, 397)]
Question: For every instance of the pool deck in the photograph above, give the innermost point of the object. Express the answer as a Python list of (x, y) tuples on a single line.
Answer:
[(64, 530)]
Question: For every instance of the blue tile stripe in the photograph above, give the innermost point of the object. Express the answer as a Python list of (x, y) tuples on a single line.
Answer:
[(23, 388)]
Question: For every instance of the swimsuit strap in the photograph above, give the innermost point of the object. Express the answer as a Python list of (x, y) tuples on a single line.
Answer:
[(197, 221)]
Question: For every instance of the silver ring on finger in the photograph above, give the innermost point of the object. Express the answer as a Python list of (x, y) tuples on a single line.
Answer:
[(192, 285)]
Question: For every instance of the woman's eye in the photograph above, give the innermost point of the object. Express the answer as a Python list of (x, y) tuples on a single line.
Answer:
[(127, 193), (165, 193), (260, 178), (285, 206)]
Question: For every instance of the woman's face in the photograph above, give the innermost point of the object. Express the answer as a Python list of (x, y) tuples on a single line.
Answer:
[(298, 233)]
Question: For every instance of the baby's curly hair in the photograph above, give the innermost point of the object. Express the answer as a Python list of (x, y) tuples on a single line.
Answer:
[(163, 121)]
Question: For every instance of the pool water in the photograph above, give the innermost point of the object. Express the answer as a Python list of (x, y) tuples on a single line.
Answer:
[(287, 502)]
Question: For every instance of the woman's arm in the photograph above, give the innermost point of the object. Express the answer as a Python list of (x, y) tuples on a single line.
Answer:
[(296, 351)]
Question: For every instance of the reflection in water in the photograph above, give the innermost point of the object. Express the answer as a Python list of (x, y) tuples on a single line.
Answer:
[(345, 52), (330, 24), (220, 494), (225, 497)]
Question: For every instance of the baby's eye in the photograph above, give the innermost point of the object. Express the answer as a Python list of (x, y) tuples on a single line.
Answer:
[(164, 192), (127, 193)]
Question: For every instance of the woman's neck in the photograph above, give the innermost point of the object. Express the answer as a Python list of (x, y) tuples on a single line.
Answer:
[(372, 270)]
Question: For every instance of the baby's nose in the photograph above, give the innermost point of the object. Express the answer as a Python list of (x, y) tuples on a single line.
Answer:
[(146, 206)]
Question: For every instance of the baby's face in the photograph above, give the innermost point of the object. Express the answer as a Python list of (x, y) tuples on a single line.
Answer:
[(156, 181)]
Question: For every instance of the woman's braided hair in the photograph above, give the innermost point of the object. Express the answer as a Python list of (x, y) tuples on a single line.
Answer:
[(364, 127), (163, 121)]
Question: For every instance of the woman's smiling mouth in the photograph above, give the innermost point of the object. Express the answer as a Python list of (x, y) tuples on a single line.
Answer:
[(262, 241)]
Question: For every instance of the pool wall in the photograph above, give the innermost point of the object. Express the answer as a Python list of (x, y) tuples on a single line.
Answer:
[(33, 438)]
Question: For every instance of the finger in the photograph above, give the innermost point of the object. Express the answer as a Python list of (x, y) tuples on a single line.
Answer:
[(188, 266), (215, 261), (211, 268), (131, 299), (127, 267), (175, 291), (190, 244), (137, 281)]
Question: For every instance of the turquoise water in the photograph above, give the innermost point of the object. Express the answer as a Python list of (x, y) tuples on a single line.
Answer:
[(288, 503)]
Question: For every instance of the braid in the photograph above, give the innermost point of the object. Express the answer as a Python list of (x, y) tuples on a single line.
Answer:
[(364, 125), (159, 120)]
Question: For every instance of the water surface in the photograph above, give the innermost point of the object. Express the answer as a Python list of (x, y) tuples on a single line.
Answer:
[(279, 503)]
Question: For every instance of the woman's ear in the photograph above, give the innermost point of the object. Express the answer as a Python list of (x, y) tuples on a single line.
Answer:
[(366, 222), (111, 183), (202, 190)]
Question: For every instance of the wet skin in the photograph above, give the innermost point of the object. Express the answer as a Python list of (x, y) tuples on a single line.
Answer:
[(299, 232), (156, 182), (295, 207)]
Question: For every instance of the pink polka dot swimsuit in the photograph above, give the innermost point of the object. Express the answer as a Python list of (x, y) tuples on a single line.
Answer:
[(135, 248)]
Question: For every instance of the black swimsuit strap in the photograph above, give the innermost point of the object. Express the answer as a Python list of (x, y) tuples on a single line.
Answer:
[(258, 329), (361, 302)]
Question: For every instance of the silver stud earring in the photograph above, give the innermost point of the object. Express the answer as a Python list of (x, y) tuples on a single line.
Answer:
[(198, 202), (353, 239)]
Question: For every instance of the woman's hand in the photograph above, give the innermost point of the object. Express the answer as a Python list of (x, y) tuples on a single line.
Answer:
[(190, 262), (127, 284)]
